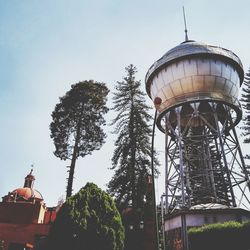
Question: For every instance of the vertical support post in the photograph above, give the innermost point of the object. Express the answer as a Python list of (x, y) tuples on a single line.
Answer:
[(223, 154), (185, 245), (153, 184), (166, 165), (216, 143), (181, 166), (163, 223), (210, 166)]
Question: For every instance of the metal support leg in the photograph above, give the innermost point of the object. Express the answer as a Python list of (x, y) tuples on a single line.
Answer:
[(166, 165), (183, 217), (224, 158)]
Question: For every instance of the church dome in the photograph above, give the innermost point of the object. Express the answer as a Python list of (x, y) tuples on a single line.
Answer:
[(27, 193)]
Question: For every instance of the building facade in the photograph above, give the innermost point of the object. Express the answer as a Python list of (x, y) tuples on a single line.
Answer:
[(25, 220)]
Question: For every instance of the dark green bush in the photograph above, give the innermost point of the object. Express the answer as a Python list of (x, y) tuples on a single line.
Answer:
[(89, 220), (230, 235)]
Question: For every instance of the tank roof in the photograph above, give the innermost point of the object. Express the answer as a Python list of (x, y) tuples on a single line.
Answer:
[(189, 49), (209, 206)]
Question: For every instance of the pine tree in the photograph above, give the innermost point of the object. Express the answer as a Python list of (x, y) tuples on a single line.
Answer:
[(77, 123), (132, 155), (245, 102)]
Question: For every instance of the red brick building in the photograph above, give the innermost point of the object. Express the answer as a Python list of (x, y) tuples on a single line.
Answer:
[(24, 218)]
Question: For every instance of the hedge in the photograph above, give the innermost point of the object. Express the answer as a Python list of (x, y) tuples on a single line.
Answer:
[(230, 235)]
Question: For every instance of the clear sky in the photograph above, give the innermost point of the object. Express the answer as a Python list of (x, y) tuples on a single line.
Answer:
[(45, 46)]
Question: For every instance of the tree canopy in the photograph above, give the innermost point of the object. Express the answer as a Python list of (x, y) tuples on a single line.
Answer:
[(77, 121), (88, 220), (132, 156)]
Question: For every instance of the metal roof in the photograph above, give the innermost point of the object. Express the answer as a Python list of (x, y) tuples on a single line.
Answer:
[(189, 49), (209, 206)]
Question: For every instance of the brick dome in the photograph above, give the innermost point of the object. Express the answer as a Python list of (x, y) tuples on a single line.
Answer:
[(27, 193)]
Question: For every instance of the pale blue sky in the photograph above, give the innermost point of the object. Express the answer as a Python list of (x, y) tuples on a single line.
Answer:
[(45, 46)]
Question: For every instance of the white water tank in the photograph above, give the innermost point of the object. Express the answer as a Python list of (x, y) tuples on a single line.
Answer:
[(193, 72)]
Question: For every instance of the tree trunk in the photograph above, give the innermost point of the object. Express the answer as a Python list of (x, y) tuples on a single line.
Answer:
[(73, 162), (71, 174), (132, 164), (133, 177)]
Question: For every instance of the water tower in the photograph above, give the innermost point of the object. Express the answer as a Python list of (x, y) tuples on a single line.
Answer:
[(195, 87)]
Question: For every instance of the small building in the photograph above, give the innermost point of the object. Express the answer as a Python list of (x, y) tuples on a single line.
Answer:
[(25, 220), (198, 216)]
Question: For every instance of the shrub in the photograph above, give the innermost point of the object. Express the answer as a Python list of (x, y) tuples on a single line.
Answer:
[(230, 235), (89, 220)]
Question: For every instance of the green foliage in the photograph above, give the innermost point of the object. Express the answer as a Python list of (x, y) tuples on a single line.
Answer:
[(132, 156), (215, 227), (82, 108), (230, 235), (88, 220), (77, 123)]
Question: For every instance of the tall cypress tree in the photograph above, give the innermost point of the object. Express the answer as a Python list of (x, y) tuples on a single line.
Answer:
[(245, 102), (132, 154)]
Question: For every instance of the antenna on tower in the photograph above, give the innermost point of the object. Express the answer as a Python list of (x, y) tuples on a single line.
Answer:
[(185, 23)]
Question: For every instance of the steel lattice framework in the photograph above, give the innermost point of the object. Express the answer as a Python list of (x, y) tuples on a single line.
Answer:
[(195, 87), (204, 162)]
